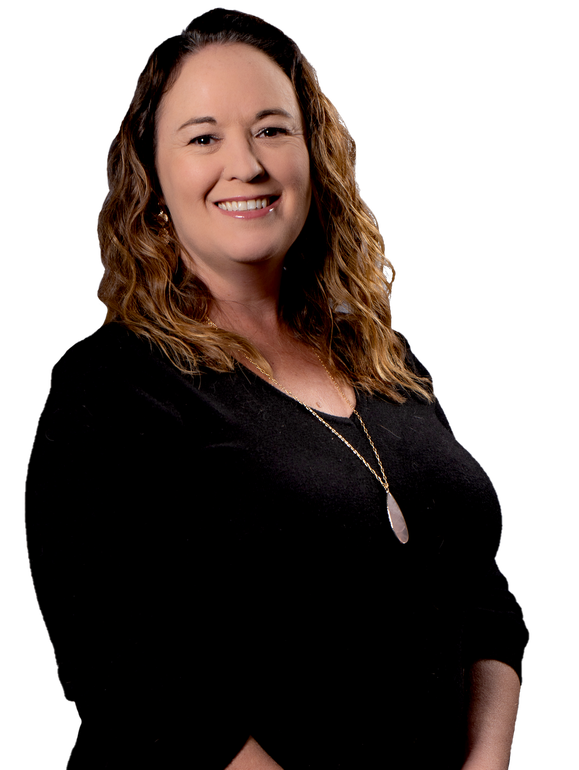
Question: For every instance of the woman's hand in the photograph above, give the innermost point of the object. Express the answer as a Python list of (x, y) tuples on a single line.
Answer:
[(253, 757)]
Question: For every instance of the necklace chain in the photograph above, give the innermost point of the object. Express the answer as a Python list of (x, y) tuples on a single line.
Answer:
[(382, 481), (395, 516)]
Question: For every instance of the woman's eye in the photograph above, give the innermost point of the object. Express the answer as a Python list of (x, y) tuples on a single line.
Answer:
[(271, 132), (202, 140)]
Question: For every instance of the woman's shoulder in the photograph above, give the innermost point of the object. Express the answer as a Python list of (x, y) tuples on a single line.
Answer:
[(411, 361), (113, 370), (113, 356), (415, 365), (115, 382), (110, 345)]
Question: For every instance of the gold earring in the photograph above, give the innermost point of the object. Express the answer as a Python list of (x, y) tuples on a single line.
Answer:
[(163, 220)]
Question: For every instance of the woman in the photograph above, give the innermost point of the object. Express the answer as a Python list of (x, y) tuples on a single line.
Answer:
[(254, 539)]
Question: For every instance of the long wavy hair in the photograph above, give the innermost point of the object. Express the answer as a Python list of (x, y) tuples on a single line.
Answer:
[(335, 290)]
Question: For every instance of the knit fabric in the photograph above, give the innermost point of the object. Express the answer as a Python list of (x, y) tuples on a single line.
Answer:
[(213, 563)]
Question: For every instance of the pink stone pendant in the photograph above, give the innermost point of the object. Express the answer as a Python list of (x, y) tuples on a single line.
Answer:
[(397, 520)]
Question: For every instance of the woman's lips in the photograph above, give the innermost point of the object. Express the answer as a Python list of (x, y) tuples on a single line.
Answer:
[(248, 208)]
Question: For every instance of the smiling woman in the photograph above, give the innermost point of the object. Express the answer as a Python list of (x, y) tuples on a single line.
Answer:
[(215, 171), (225, 574), (323, 270)]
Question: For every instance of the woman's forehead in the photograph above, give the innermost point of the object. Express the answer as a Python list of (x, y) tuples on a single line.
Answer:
[(221, 79)]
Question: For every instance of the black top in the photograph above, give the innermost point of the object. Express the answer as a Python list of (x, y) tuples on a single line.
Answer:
[(213, 563)]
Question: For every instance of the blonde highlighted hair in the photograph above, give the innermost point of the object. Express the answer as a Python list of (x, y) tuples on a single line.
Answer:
[(335, 291)]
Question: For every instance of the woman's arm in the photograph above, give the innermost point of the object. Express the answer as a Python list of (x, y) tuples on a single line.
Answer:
[(253, 757), (494, 699)]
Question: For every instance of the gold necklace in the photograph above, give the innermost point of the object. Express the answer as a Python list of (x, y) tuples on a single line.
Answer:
[(395, 516)]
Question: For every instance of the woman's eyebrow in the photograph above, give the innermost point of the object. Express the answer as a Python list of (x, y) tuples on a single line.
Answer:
[(196, 121), (261, 114), (273, 111)]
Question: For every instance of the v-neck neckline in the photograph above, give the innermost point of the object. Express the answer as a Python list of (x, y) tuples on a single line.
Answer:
[(326, 415)]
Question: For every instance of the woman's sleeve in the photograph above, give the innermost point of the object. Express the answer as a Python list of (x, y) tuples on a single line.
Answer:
[(494, 628), (132, 591)]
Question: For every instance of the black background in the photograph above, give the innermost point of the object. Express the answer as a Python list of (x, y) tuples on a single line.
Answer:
[(443, 108)]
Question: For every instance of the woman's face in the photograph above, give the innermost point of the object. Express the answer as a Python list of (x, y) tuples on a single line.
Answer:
[(232, 158)]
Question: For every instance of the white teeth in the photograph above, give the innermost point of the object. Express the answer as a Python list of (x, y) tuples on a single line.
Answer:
[(256, 203)]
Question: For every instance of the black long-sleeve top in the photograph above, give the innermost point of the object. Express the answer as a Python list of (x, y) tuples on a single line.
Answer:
[(213, 563)]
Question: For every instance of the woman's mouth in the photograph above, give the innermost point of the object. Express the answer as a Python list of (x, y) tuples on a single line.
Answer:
[(249, 208), (248, 205)]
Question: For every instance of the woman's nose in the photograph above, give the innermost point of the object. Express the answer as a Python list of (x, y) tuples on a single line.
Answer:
[(242, 161)]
